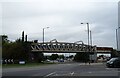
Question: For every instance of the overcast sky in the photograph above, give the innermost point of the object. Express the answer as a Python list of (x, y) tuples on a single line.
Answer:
[(64, 18)]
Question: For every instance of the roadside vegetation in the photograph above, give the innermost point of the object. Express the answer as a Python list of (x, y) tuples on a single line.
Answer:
[(14, 52), (26, 65), (18, 50)]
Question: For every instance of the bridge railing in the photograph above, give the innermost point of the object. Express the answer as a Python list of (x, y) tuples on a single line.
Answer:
[(61, 47)]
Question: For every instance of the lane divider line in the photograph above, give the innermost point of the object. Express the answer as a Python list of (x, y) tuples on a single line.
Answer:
[(50, 74), (72, 73)]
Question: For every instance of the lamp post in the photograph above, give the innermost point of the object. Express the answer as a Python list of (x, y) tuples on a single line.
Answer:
[(91, 45), (91, 40), (88, 38), (117, 41), (43, 33), (117, 38), (88, 33)]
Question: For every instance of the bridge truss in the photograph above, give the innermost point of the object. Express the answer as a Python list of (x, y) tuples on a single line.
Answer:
[(61, 47)]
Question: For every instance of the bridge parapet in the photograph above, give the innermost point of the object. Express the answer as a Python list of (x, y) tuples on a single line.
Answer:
[(62, 47)]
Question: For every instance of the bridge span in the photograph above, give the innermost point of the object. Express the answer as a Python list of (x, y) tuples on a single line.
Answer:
[(61, 47), (65, 47)]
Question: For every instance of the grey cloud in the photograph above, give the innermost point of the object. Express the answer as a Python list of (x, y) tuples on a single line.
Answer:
[(64, 21)]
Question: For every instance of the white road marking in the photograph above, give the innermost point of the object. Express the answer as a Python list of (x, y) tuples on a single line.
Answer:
[(68, 64), (50, 74), (56, 74), (89, 72), (107, 68), (72, 73)]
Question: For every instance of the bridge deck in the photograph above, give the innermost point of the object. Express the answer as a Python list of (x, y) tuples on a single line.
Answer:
[(61, 47)]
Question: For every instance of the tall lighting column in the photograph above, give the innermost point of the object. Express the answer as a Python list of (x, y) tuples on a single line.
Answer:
[(88, 37), (43, 33), (91, 40), (117, 38), (91, 44), (88, 33)]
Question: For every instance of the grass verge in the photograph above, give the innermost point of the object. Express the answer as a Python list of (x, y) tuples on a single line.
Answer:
[(26, 65)]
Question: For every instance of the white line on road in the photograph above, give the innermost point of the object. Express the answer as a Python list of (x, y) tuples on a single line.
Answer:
[(72, 73), (68, 64), (107, 68), (89, 72), (50, 74)]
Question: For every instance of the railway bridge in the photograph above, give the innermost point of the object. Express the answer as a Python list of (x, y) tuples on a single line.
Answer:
[(62, 47)]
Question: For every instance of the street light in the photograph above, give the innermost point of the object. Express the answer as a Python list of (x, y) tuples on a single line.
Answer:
[(91, 44), (117, 36), (43, 32), (88, 33), (88, 38)]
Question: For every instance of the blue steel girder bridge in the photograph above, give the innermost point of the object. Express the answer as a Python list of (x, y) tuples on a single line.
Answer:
[(61, 47)]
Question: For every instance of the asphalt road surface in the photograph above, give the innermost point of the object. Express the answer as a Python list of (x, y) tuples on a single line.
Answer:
[(94, 70)]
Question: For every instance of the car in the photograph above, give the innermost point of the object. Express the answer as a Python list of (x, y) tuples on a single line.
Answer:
[(113, 62)]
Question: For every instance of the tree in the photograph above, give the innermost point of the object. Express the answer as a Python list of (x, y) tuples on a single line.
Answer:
[(4, 39), (71, 56), (5, 46), (38, 57), (54, 57), (115, 53), (61, 56), (15, 50), (82, 57), (6, 53)]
